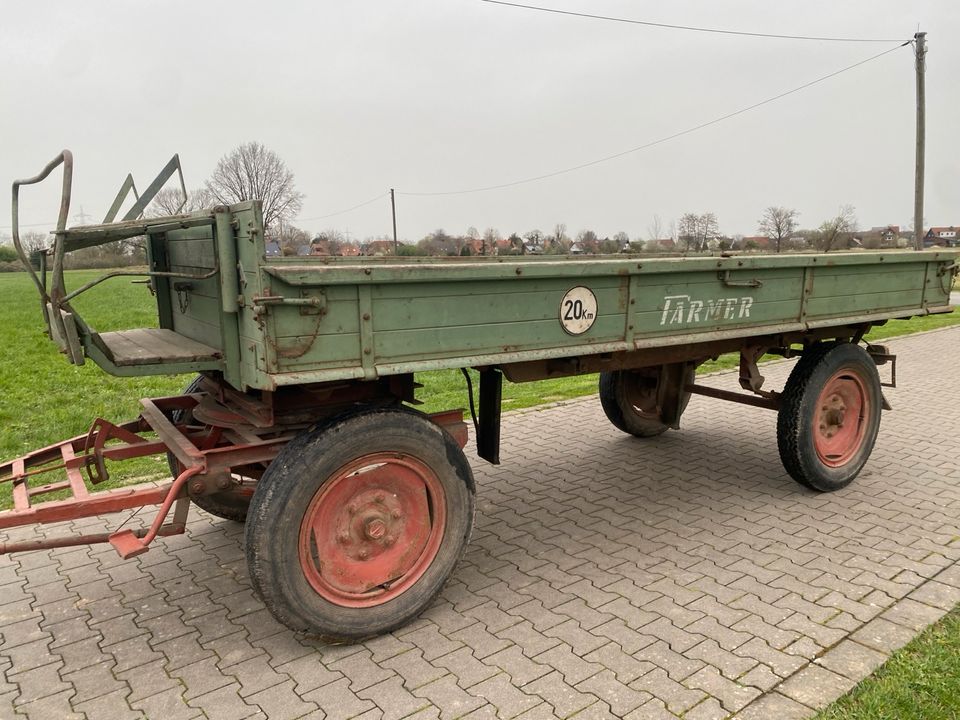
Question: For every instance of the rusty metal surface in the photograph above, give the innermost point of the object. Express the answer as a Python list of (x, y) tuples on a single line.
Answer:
[(372, 530)]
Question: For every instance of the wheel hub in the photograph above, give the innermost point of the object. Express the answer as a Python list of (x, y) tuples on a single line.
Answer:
[(372, 530), (839, 423)]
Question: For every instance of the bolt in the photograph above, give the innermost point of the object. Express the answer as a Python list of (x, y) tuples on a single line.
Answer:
[(379, 497), (364, 554), (197, 487), (352, 508), (366, 316), (389, 540), (396, 515), (223, 483), (375, 528), (343, 538)]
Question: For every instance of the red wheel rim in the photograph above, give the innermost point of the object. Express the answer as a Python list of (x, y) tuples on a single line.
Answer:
[(372, 530), (840, 419)]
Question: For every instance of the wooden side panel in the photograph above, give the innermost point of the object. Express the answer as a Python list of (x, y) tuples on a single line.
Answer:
[(388, 317), (839, 291), (195, 304)]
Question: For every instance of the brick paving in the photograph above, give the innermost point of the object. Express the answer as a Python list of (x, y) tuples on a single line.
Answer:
[(607, 577)]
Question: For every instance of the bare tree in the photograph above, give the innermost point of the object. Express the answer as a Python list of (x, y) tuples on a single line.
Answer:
[(778, 223), (252, 172), (837, 228), (34, 241), (490, 237), (655, 228), (696, 230)]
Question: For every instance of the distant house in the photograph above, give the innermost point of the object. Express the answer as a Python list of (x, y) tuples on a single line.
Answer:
[(320, 247), (758, 242), (889, 234), (880, 236), (377, 247), (943, 236), (532, 248), (576, 248), (349, 250)]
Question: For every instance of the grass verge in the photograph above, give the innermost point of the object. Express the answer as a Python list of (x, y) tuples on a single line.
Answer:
[(921, 681)]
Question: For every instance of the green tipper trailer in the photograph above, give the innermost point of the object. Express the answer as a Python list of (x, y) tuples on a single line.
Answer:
[(299, 419)]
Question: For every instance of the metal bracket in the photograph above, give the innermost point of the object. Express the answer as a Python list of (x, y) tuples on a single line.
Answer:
[(951, 268), (881, 356), (183, 295), (750, 377), (141, 204)]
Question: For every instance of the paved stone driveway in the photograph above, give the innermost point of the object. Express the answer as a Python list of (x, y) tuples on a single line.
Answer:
[(608, 577)]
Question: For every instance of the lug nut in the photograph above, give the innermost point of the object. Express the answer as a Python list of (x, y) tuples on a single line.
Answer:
[(396, 515), (343, 538), (363, 554), (197, 487)]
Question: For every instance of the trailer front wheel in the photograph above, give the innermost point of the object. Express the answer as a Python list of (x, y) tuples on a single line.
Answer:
[(357, 524), (829, 415)]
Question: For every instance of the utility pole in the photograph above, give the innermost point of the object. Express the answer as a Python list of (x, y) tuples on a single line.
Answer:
[(920, 49), (393, 209), (82, 216)]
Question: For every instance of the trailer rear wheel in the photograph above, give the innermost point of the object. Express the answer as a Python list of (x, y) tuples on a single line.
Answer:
[(230, 504), (645, 402), (357, 524), (829, 415)]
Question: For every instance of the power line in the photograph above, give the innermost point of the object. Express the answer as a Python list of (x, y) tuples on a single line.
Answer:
[(662, 140), (26, 225), (318, 217), (342, 212), (691, 28)]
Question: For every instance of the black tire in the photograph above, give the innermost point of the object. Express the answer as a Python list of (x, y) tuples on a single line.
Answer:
[(829, 385), (633, 400), (229, 505), (284, 532)]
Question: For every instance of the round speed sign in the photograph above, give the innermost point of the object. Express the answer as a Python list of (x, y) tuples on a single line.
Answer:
[(578, 310)]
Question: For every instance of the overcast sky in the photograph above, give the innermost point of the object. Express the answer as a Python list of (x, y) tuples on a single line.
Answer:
[(448, 95)]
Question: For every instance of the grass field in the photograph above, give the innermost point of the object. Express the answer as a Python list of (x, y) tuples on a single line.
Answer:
[(44, 399)]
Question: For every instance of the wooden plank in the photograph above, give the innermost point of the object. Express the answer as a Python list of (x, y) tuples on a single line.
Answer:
[(152, 346)]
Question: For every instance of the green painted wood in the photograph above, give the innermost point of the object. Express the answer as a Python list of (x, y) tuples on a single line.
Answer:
[(389, 315)]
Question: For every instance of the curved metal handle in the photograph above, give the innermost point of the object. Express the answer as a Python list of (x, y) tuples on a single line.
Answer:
[(724, 276), (66, 159)]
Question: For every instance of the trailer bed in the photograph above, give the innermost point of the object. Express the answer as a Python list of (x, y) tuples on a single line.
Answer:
[(265, 322)]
